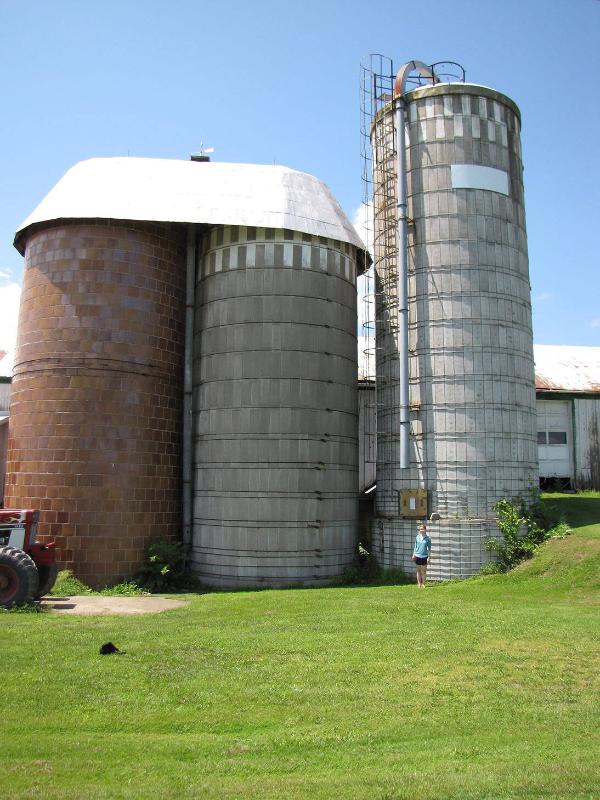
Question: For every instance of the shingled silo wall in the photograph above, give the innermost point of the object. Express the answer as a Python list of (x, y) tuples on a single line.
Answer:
[(95, 422)]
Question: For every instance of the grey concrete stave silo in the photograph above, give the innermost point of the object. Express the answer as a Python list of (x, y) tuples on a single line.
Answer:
[(275, 498), (471, 381)]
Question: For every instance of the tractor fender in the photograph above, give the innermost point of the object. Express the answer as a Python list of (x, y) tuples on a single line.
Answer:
[(42, 554)]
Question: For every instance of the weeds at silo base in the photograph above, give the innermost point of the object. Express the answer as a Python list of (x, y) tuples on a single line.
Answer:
[(524, 527), (366, 571)]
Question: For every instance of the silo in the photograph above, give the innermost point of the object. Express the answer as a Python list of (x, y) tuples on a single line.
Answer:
[(468, 398), (95, 439), (102, 392), (275, 398)]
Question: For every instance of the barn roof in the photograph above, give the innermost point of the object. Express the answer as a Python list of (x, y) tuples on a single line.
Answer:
[(563, 368)]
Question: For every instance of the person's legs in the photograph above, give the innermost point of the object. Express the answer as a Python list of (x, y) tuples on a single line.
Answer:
[(419, 576), (423, 574)]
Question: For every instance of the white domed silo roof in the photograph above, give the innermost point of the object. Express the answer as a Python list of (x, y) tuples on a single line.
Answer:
[(166, 190)]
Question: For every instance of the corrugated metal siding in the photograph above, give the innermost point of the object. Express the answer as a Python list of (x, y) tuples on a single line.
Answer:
[(587, 447)]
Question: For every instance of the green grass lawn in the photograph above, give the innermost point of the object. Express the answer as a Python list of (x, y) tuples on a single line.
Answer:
[(486, 688)]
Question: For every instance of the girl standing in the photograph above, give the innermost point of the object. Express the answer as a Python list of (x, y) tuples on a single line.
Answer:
[(421, 553)]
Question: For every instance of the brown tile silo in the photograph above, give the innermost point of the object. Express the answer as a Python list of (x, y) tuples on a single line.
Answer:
[(95, 422)]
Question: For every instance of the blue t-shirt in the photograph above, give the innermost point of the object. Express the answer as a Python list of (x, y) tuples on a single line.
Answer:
[(422, 546)]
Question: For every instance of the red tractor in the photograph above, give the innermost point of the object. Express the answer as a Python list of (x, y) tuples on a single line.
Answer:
[(27, 568)]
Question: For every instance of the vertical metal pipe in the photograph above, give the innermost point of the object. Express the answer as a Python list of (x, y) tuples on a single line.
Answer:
[(402, 247), (190, 288)]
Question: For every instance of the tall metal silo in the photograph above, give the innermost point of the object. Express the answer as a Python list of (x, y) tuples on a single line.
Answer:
[(276, 481), (455, 377)]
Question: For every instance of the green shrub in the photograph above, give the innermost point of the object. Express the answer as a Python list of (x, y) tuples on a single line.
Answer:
[(164, 566), (523, 527), (363, 570)]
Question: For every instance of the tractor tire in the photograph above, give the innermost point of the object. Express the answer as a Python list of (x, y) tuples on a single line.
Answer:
[(19, 578), (47, 576)]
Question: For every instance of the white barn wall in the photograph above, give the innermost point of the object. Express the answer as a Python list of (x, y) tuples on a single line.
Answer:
[(586, 421)]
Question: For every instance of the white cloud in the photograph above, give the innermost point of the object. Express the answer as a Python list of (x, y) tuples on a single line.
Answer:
[(363, 224), (10, 296), (595, 323), (542, 297)]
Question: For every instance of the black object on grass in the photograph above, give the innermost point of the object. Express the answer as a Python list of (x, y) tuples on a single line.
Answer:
[(108, 649)]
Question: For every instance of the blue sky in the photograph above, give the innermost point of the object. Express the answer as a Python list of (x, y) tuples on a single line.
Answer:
[(274, 82)]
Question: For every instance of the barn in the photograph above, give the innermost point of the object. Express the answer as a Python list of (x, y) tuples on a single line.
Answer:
[(567, 388)]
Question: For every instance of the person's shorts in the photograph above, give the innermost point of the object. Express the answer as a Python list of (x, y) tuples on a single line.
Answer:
[(421, 562)]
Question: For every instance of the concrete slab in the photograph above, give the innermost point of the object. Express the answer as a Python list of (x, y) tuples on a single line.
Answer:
[(100, 604)]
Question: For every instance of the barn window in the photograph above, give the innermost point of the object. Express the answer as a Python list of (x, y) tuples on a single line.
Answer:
[(557, 437)]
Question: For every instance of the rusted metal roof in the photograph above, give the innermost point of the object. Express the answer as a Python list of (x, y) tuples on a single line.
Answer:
[(562, 368)]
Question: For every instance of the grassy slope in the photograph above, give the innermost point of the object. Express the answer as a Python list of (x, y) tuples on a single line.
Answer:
[(481, 689)]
